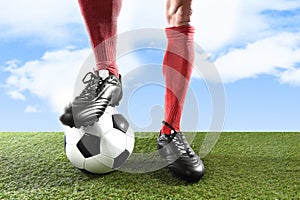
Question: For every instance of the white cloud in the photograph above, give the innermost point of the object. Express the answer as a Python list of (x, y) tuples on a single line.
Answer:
[(215, 21), (47, 19), (16, 95), (274, 55), (52, 77), (246, 43), (32, 109), (291, 76), (136, 14), (233, 23)]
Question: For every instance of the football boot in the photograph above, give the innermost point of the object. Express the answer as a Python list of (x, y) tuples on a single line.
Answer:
[(88, 107), (182, 161)]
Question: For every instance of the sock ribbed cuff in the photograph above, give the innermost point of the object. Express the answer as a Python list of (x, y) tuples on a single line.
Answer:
[(178, 32), (105, 55)]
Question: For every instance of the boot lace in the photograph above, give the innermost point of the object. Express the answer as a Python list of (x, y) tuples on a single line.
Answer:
[(180, 141), (92, 82)]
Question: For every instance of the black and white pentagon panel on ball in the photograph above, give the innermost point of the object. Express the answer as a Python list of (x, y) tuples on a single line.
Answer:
[(103, 147), (120, 123)]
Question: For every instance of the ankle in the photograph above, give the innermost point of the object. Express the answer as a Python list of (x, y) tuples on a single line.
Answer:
[(166, 130), (169, 128)]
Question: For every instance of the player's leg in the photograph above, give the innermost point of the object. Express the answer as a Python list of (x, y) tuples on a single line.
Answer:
[(103, 87), (101, 22), (177, 69), (178, 60)]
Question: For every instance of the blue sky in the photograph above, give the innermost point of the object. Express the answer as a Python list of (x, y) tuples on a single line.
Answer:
[(254, 45)]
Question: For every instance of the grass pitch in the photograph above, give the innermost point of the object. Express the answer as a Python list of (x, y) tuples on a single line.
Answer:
[(241, 166)]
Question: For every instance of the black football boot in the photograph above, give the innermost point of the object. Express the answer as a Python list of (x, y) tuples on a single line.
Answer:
[(88, 107), (182, 161)]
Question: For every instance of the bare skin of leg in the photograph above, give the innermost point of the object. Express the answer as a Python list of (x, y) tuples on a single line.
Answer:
[(178, 12)]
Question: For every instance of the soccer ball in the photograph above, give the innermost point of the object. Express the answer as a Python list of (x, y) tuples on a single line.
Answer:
[(103, 147)]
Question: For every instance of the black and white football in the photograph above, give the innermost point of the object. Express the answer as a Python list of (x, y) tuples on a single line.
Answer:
[(103, 147)]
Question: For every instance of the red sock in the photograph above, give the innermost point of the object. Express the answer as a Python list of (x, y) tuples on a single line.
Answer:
[(177, 69), (101, 21)]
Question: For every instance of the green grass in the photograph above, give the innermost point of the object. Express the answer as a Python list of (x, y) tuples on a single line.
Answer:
[(241, 166)]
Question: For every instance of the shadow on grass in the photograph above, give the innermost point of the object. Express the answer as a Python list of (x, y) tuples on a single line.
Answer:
[(162, 176)]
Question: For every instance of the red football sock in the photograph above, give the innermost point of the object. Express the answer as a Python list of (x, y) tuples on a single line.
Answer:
[(177, 69), (101, 21)]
